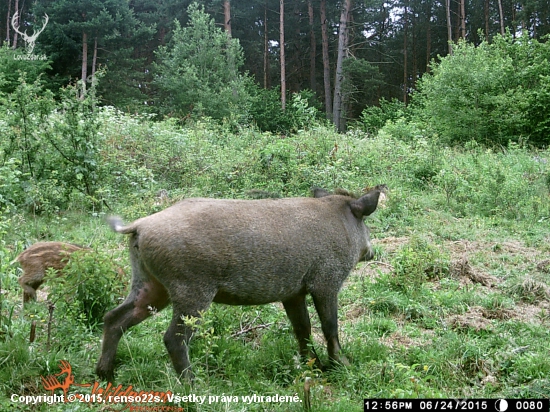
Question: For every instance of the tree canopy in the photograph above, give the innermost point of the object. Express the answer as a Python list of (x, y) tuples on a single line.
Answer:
[(223, 59)]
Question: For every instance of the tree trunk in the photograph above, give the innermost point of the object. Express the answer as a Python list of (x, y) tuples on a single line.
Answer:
[(326, 62), (428, 38), (94, 58), (501, 14), (227, 17), (8, 22), (414, 72), (487, 27), (282, 50), (84, 63), (337, 112), (266, 50), (462, 19), (449, 27), (312, 48), (16, 10), (405, 53)]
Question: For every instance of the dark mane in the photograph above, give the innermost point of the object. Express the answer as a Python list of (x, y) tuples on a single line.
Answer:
[(344, 192)]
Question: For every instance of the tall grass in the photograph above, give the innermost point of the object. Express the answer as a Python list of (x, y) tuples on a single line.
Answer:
[(411, 323)]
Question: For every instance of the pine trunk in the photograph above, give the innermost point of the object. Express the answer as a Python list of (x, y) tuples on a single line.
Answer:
[(227, 17), (8, 22), (16, 10), (312, 48), (462, 19), (501, 14), (266, 50), (326, 62), (282, 49), (428, 39), (84, 62), (405, 54), (487, 27), (449, 26), (337, 110), (94, 58)]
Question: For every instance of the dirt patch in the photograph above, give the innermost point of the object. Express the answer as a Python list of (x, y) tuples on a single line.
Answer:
[(479, 318), (355, 312), (390, 243), (461, 268), (544, 266), (472, 319), (372, 270), (397, 340), (529, 313), (498, 314)]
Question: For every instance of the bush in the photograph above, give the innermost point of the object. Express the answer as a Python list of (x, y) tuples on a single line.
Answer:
[(197, 73), (11, 192), (492, 93), (415, 263), (373, 118), (92, 283)]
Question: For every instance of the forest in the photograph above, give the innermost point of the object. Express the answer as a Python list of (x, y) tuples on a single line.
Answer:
[(111, 107), (343, 56)]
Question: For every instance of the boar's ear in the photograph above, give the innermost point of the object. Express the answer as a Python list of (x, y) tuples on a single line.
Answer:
[(366, 204), (318, 192)]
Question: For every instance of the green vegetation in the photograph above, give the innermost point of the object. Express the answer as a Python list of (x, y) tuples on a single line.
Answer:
[(454, 305), (492, 93), (198, 80)]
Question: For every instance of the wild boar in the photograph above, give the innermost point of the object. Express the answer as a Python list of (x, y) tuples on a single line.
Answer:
[(241, 252), (37, 259)]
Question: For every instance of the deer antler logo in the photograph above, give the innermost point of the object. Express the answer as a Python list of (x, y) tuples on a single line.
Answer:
[(51, 382), (30, 40)]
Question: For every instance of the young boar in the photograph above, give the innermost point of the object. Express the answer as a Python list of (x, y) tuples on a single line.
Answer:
[(36, 260), (241, 252)]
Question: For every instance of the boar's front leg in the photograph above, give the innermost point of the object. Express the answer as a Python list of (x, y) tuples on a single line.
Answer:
[(30, 286), (296, 311), (326, 304)]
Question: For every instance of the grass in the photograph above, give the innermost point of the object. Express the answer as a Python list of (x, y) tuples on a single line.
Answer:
[(455, 304)]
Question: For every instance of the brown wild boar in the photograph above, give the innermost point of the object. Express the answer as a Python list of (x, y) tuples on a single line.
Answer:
[(241, 252), (37, 259)]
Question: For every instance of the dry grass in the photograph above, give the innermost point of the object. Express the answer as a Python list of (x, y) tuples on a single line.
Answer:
[(530, 289), (472, 319), (461, 268)]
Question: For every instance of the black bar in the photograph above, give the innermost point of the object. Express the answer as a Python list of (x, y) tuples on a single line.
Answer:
[(459, 405)]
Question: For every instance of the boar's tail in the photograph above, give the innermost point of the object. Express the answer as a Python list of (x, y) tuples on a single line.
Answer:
[(116, 224)]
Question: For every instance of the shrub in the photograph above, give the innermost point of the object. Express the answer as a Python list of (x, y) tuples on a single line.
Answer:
[(492, 93), (92, 284), (197, 73), (415, 263), (373, 118)]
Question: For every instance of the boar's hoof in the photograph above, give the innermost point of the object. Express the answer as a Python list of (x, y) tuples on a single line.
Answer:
[(105, 375), (340, 360)]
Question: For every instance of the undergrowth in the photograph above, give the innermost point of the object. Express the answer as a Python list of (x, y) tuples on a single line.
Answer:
[(455, 304)]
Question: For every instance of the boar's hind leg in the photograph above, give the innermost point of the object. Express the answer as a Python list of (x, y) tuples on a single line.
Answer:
[(296, 311), (144, 297), (178, 335), (326, 305)]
